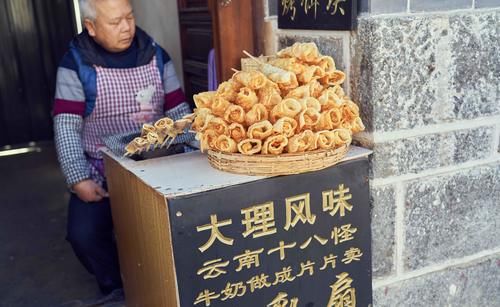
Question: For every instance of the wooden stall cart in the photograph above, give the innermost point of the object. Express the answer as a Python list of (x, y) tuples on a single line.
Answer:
[(190, 235)]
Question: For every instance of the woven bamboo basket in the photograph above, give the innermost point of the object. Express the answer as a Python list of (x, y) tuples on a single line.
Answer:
[(273, 165)]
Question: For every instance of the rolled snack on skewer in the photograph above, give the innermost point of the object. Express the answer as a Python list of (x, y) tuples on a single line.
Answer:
[(224, 143), (326, 63), (326, 139), (219, 106), (275, 144), (342, 137), (256, 114), (218, 125), (269, 96), (328, 120), (308, 119), (288, 107), (228, 90), (203, 117), (204, 99), (246, 98), (301, 142), (250, 146), (290, 64), (260, 130), (146, 128), (310, 102), (234, 114), (136, 146), (307, 52), (237, 132), (286, 126), (251, 79), (357, 125), (207, 139)]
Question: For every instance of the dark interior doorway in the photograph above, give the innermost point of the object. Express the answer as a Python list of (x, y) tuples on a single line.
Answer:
[(33, 37)]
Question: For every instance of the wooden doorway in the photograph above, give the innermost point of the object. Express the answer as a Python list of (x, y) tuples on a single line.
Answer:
[(228, 26), (34, 35)]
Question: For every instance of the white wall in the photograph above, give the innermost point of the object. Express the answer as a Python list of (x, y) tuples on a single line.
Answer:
[(159, 18)]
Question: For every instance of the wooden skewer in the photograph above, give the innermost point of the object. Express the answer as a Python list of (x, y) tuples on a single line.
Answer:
[(253, 58), (235, 70)]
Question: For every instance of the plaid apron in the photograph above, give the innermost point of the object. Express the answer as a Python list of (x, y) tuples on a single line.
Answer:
[(126, 99)]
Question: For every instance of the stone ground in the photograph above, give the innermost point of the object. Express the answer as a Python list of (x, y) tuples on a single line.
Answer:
[(37, 265)]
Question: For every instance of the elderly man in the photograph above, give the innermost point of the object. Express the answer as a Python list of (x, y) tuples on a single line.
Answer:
[(113, 79)]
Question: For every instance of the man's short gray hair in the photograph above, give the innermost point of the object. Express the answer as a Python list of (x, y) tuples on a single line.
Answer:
[(87, 9)]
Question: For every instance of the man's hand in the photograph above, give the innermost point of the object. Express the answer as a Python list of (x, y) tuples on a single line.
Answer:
[(89, 191)]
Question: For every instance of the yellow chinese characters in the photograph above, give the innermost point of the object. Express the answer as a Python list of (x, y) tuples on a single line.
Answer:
[(301, 206), (343, 295), (259, 220), (214, 232), (248, 259), (336, 201), (334, 5), (281, 300), (213, 268)]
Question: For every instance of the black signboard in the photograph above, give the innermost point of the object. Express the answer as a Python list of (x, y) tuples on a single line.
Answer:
[(300, 240), (317, 14)]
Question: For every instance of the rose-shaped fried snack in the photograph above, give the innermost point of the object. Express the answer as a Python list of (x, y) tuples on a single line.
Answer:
[(307, 52), (275, 144), (250, 146), (308, 118), (349, 110), (310, 73), (237, 132), (260, 130), (136, 146), (219, 106), (310, 102), (269, 97), (326, 63), (286, 80), (218, 125), (163, 127), (228, 90), (207, 139), (315, 88), (246, 98), (286, 108), (311, 139), (203, 117), (329, 100), (290, 64), (234, 114), (154, 139), (286, 126), (299, 92), (304, 141), (326, 139), (146, 128), (204, 99), (329, 120), (251, 79), (342, 137), (256, 114), (226, 144), (333, 78), (357, 125)]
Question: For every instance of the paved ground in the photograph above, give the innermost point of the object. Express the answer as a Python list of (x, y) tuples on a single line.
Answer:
[(37, 265)]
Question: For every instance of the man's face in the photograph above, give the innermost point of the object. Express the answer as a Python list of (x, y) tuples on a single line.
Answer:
[(114, 26)]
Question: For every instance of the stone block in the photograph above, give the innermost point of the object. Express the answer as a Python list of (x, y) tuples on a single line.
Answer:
[(441, 5), (388, 6), (487, 3), (417, 154), (383, 213), (415, 70), (477, 284), (475, 64), (450, 217), (327, 45)]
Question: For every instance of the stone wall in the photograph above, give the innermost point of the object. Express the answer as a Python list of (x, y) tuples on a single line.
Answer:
[(426, 75)]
